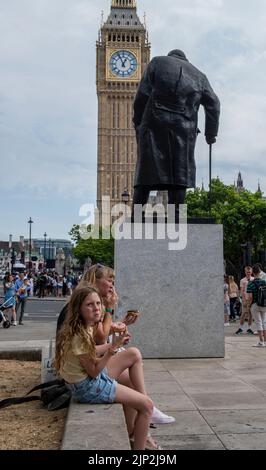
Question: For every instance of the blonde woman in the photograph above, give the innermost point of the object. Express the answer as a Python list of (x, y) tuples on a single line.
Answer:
[(233, 295), (93, 379), (10, 298)]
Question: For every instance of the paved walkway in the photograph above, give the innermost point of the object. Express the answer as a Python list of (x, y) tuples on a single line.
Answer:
[(31, 330), (217, 403)]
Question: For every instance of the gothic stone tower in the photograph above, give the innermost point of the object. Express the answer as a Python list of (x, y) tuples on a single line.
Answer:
[(123, 52)]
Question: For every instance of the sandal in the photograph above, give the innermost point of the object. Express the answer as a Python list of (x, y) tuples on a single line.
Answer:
[(151, 444)]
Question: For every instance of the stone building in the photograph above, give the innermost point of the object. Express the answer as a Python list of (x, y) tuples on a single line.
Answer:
[(123, 52)]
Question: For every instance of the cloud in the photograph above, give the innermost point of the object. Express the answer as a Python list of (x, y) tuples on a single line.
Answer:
[(48, 103)]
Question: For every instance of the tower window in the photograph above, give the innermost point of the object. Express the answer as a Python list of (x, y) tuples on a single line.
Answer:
[(137, 39), (114, 37), (128, 23), (128, 38), (132, 39), (109, 37)]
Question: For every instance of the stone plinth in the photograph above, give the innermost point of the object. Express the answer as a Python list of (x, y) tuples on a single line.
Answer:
[(180, 294)]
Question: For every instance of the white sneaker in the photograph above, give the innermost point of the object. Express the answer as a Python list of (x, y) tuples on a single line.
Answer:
[(227, 324), (259, 345), (14, 323), (161, 418)]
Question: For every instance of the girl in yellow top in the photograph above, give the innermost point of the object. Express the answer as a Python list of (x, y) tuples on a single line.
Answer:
[(93, 379), (102, 278)]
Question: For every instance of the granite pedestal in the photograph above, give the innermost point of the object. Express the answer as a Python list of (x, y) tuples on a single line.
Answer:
[(179, 294)]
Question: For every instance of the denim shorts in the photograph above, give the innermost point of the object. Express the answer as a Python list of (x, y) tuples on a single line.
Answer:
[(95, 391), (227, 308)]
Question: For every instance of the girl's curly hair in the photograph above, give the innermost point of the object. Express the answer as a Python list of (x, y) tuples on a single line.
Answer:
[(74, 325)]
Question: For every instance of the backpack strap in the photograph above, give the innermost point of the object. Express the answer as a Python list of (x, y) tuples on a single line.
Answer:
[(46, 385), (17, 401)]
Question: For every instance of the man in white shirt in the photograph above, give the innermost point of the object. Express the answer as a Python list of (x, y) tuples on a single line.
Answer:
[(246, 304)]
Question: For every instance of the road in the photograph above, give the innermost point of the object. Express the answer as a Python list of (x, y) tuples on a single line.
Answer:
[(43, 310)]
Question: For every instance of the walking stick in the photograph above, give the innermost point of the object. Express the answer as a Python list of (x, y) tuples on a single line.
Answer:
[(210, 173)]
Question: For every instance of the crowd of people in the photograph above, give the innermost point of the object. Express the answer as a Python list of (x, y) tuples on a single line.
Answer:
[(242, 303), (19, 287)]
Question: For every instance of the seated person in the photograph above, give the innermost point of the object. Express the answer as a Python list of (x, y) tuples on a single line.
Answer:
[(93, 379), (102, 278)]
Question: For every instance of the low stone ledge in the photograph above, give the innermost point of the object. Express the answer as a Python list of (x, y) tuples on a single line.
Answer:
[(95, 427), (27, 355)]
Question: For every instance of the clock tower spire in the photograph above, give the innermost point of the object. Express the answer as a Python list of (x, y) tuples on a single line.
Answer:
[(124, 3), (123, 52)]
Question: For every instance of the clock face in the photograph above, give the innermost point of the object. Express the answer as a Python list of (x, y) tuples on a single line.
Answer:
[(123, 64)]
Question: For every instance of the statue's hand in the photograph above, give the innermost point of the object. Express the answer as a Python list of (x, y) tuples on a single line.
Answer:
[(210, 139)]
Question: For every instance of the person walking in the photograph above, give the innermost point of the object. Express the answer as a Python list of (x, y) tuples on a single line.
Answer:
[(21, 286), (10, 298), (42, 285), (226, 302), (64, 290), (233, 295), (246, 305), (258, 311)]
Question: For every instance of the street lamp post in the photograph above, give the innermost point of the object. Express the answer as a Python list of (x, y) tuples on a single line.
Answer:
[(10, 253), (126, 196), (30, 222), (44, 253), (49, 248), (52, 243), (247, 254)]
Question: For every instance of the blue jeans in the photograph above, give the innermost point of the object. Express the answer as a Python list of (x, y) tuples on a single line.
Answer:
[(101, 390), (21, 303)]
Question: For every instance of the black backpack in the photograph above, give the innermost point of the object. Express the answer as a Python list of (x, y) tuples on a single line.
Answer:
[(55, 395), (261, 294)]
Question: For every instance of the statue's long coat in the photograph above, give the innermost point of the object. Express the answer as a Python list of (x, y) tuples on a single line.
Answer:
[(166, 120)]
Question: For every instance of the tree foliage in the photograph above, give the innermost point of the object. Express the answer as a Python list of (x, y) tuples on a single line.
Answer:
[(243, 216), (99, 251)]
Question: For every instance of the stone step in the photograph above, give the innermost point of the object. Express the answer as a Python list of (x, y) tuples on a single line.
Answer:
[(95, 427)]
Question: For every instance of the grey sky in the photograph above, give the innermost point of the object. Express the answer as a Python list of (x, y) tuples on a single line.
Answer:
[(48, 105)]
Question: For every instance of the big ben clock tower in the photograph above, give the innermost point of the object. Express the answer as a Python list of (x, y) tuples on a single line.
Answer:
[(123, 52)]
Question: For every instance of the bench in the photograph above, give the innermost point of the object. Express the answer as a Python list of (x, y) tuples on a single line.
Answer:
[(95, 427)]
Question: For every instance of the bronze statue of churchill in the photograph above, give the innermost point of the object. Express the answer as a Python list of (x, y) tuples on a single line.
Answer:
[(166, 122)]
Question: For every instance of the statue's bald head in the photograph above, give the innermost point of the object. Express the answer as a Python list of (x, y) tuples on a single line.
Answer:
[(177, 53)]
